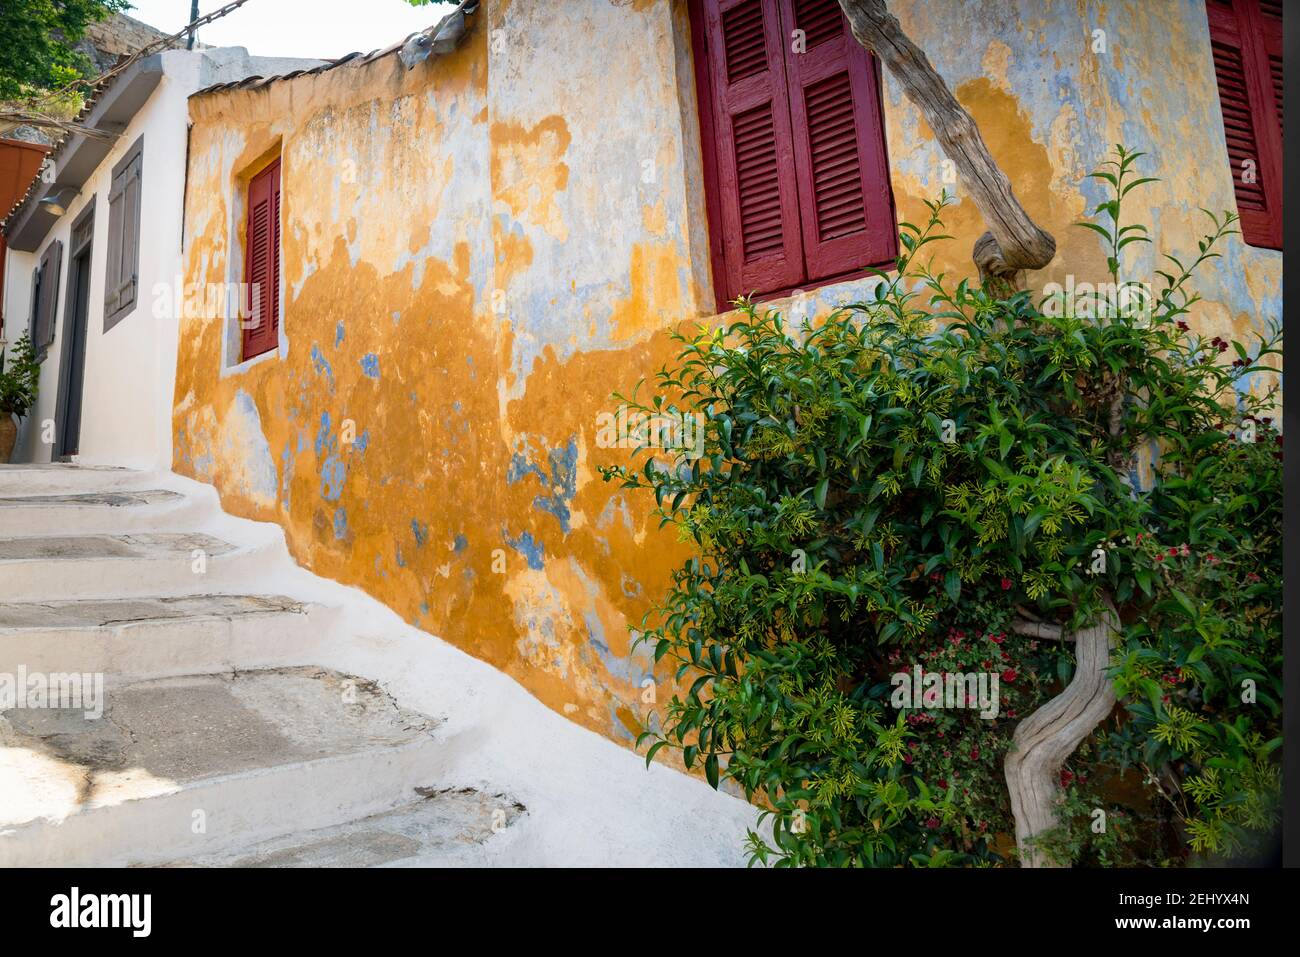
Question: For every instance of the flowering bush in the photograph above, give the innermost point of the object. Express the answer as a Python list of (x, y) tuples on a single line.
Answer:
[(939, 477)]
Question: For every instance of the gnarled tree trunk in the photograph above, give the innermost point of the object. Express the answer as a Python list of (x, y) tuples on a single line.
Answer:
[(1014, 242), (1047, 737)]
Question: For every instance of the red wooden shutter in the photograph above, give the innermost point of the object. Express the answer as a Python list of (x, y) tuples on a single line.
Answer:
[(1246, 38), (754, 152), (262, 263), (844, 195)]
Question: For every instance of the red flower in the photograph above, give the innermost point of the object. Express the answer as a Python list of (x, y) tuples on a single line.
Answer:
[(1173, 552), (996, 639), (907, 759), (1160, 556), (974, 754), (943, 784), (1006, 584), (1009, 674), (932, 823), (1066, 778)]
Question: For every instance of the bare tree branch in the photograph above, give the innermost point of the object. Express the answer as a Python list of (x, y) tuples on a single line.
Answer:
[(1041, 629), (1014, 242), (12, 120)]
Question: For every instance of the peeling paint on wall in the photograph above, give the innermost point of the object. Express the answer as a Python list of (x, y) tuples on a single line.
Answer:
[(477, 252)]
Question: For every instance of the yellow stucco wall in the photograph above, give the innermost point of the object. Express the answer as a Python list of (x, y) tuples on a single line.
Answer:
[(477, 252)]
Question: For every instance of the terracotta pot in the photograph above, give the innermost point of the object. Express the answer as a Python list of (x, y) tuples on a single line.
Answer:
[(8, 436)]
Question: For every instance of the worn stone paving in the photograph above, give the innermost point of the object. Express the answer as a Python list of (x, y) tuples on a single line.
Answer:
[(91, 499), (443, 827), (104, 612), (138, 546), (157, 733)]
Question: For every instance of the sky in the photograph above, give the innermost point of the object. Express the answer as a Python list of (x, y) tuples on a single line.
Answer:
[(322, 29)]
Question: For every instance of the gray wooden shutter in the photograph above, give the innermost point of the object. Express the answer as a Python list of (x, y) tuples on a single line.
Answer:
[(121, 275), (47, 298)]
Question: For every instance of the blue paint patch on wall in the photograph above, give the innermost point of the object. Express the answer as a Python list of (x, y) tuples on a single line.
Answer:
[(262, 480), (560, 478), (370, 365), (421, 532), (333, 470), (338, 334), (521, 463), (460, 544), (527, 546), (363, 442), (321, 365), (340, 523), (324, 442), (333, 475), (564, 482)]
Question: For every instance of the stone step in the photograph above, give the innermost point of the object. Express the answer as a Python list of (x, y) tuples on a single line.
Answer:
[(89, 513), (179, 768), (453, 827), (122, 566), (159, 637), (59, 479)]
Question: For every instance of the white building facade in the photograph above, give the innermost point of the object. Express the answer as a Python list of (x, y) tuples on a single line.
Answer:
[(94, 259)]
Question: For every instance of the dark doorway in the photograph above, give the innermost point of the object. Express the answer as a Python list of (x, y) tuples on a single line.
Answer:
[(67, 414)]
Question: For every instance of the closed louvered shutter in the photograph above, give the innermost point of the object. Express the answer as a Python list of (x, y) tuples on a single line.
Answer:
[(1246, 39), (46, 299), (844, 199), (262, 263), (122, 268), (797, 181), (754, 151)]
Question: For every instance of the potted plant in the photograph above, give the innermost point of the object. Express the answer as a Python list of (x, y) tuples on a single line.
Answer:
[(18, 388)]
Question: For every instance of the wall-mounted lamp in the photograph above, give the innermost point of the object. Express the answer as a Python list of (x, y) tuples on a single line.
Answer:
[(58, 202)]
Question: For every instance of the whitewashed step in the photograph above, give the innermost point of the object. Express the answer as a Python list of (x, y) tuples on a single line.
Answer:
[(452, 827), (182, 767), (91, 513), (59, 479), (123, 566), (158, 637)]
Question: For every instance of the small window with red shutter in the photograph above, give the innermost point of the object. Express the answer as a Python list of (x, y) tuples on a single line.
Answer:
[(1246, 39), (797, 182), (261, 319)]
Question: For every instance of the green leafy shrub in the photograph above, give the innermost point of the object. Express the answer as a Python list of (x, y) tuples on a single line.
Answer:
[(895, 485), (18, 386)]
